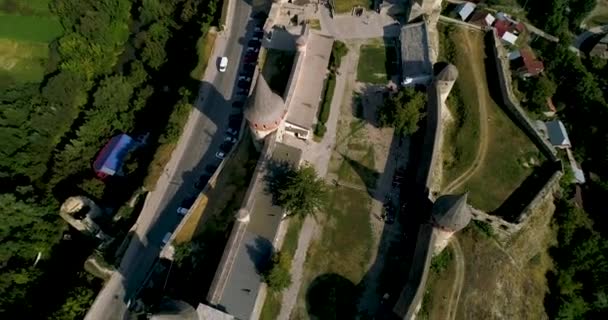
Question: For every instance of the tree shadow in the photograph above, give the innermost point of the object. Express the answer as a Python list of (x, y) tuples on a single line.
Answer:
[(259, 253), (277, 175), (368, 176), (331, 296)]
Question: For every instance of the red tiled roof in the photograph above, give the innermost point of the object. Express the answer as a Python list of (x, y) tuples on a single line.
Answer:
[(501, 26), (520, 27), (532, 65)]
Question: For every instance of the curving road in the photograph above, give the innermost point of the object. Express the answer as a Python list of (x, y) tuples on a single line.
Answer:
[(196, 149)]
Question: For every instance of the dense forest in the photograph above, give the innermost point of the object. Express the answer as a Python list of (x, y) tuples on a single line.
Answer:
[(579, 283), (121, 66)]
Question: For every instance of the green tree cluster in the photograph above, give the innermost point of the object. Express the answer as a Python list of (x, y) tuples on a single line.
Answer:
[(109, 73), (301, 192), (277, 275), (403, 111)]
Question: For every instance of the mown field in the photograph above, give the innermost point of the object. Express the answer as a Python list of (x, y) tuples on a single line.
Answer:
[(26, 29)]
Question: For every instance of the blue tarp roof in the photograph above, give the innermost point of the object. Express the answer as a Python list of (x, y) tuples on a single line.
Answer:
[(110, 159)]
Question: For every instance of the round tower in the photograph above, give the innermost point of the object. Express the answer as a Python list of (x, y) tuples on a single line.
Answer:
[(445, 80), (265, 110), (450, 214)]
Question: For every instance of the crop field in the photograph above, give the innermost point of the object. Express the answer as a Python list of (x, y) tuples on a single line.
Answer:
[(26, 29)]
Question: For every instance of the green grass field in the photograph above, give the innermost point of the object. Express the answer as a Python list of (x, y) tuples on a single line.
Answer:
[(344, 246), (599, 15), (343, 6), (372, 64), (510, 156), (23, 61), (29, 28)]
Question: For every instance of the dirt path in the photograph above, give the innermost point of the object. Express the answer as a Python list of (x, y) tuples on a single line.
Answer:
[(482, 91), (291, 294), (458, 280)]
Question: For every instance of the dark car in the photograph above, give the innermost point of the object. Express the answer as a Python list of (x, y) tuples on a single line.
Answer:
[(210, 168), (249, 68), (250, 58), (243, 85), (258, 34), (235, 121), (238, 104), (225, 147), (254, 43), (242, 92), (202, 181)]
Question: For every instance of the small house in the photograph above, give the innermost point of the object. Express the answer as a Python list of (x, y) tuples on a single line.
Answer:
[(482, 18), (530, 65), (558, 136), (465, 9)]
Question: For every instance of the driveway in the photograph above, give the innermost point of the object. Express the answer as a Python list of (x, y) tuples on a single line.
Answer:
[(196, 149)]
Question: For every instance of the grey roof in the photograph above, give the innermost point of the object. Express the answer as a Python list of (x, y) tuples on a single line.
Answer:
[(264, 108), (557, 133), (308, 90), (451, 212), (206, 312), (465, 10), (415, 57), (448, 73), (242, 286)]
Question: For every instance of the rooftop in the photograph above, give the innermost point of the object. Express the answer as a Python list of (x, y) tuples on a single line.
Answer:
[(265, 109), (240, 288), (309, 86), (532, 65), (451, 212), (415, 51), (558, 136)]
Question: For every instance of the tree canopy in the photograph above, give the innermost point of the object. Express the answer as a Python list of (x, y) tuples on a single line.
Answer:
[(301, 191), (403, 111), (277, 275)]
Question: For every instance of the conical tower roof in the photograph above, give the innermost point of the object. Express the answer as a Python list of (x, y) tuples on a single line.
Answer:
[(451, 212), (265, 109), (448, 73)]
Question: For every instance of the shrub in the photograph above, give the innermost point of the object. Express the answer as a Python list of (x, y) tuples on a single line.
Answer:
[(330, 85), (320, 130), (277, 276)]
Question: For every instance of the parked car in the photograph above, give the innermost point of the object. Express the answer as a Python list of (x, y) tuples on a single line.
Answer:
[(238, 104), (223, 64), (258, 33), (254, 43), (257, 29), (253, 49), (232, 132), (250, 58), (230, 139), (166, 238), (220, 155), (249, 68), (182, 211), (226, 146), (243, 84), (245, 78), (210, 168), (234, 121), (202, 181)]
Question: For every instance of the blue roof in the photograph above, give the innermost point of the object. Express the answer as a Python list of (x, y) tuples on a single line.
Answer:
[(110, 159)]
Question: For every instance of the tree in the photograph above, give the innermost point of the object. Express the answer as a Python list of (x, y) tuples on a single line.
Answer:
[(544, 88), (301, 192), (403, 111), (277, 275)]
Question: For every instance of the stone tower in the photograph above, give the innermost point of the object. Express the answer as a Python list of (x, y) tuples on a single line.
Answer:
[(265, 110), (445, 80), (80, 212), (450, 214)]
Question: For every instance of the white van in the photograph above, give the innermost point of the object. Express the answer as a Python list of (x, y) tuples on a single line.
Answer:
[(166, 238), (223, 64)]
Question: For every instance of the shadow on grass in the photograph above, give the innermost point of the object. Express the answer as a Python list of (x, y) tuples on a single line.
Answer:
[(331, 296), (368, 176)]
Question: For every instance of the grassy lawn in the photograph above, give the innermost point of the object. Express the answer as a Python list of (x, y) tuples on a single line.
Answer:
[(23, 61), (372, 64), (360, 171), (272, 305), (29, 28), (505, 281), (599, 15), (277, 68), (342, 251), (343, 6), (204, 48), (510, 157)]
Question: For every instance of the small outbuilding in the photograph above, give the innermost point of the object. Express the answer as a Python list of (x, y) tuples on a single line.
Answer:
[(110, 159), (465, 10), (558, 136)]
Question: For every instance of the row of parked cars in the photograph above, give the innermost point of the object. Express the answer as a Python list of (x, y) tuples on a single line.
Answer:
[(244, 79)]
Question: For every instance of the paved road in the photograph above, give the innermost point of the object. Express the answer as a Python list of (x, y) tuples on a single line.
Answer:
[(201, 139), (580, 39)]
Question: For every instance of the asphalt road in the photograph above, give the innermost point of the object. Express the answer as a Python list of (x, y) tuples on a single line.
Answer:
[(196, 151)]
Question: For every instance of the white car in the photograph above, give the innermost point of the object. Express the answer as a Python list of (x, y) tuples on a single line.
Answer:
[(220, 155), (223, 64), (182, 211), (231, 131), (166, 238), (230, 139)]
